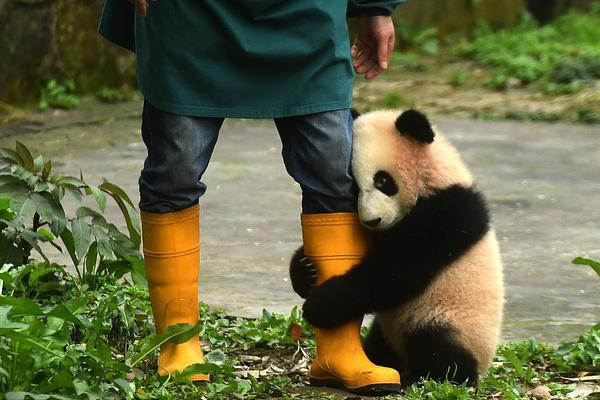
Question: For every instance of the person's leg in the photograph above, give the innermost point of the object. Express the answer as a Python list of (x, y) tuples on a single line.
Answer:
[(317, 150), (179, 149)]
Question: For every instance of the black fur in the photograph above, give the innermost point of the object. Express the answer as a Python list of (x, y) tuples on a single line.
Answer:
[(379, 350), (403, 260), (355, 113), (416, 125), (385, 183), (303, 273), (432, 353)]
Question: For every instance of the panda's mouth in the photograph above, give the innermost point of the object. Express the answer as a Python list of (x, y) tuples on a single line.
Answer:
[(372, 223), (375, 224)]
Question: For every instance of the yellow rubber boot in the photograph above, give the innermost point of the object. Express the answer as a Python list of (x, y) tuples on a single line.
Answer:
[(172, 257), (335, 242)]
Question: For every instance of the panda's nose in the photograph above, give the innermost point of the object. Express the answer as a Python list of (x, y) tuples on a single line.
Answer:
[(373, 223)]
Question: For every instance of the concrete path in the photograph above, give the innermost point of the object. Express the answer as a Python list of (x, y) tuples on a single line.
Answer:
[(542, 181)]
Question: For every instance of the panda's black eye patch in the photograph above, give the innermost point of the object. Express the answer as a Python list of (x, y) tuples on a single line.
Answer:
[(385, 183)]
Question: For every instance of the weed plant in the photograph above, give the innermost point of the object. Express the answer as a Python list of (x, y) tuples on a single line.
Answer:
[(58, 95), (560, 54)]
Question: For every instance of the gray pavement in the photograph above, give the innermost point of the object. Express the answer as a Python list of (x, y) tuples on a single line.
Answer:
[(542, 181)]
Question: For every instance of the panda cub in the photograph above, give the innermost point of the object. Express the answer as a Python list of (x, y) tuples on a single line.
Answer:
[(433, 274)]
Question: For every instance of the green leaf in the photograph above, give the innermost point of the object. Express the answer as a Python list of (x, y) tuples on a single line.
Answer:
[(4, 203), (32, 239), (62, 312), (194, 369), (126, 386), (104, 248), (25, 155), (7, 178), (82, 237), (127, 209), (216, 357), (10, 156), (32, 396), (28, 207), (80, 386), (131, 218), (50, 210), (138, 272), (17, 192), (67, 238), (21, 306), (178, 333), (10, 253), (595, 265), (115, 191), (83, 212), (47, 168), (91, 258), (38, 164), (7, 323), (46, 233), (69, 181), (98, 195)]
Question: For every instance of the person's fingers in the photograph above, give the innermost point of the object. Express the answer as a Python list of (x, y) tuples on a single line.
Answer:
[(360, 59), (373, 72), (383, 49), (391, 44), (141, 5), (358, 47), (364, 67)]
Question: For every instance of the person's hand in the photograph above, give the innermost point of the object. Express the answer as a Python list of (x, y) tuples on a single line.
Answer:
[(373, 45), (142, 6)]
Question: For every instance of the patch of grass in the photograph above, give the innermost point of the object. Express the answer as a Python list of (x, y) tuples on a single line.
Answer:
[(582, 115), (459, 78), (409, 60), (112, 95), (419, 39), (564, 51), (392, 100), (58, 95)]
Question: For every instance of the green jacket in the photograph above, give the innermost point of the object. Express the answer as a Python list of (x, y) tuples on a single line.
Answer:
[(242, 58)]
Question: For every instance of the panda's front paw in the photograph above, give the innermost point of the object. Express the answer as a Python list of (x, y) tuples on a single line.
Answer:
[(303, 273), (327, 306)]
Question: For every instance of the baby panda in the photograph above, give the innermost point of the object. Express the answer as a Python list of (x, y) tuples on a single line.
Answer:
[(432, 274)]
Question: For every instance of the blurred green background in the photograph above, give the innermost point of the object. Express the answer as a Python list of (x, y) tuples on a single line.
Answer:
[(41, 40)]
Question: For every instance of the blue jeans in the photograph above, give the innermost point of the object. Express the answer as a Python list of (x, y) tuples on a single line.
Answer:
[(316, 151)]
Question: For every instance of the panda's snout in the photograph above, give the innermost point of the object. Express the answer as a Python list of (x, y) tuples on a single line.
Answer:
[(373, 223)]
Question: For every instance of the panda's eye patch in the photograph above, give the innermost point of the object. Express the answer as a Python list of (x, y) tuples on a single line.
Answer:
[(385, 183)]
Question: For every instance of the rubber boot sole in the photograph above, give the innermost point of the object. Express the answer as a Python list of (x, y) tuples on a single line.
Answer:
[(378, 389)]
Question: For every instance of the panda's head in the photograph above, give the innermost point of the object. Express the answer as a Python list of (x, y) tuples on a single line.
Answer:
[(397, 159)]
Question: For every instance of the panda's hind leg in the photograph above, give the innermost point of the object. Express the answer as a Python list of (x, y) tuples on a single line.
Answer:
[(433, 352), (378, 349)]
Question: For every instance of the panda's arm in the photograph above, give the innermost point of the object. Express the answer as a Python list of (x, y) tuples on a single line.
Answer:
[(404, 260)]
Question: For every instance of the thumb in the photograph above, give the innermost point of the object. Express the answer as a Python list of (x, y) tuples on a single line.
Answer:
[(383, 50)]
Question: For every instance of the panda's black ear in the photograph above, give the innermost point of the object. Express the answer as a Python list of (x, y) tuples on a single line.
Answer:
[(355, 113), (416, 125)]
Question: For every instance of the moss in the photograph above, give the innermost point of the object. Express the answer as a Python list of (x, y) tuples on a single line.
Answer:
[(57, 40), (83, 55), (459, 16)]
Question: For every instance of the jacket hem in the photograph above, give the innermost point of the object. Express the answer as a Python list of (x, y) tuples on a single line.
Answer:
[(274, 112)]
